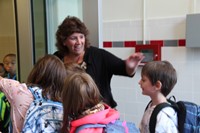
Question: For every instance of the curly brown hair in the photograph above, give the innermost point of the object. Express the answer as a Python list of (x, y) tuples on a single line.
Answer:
[(69, 26)]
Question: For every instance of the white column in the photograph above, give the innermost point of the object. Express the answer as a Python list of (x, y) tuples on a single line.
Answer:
[(92, 17)]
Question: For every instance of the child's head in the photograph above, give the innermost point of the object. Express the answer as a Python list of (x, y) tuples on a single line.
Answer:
[(79, 94), (2, 70), (48, 73), (9, 62), (72, 68), (161, 72)]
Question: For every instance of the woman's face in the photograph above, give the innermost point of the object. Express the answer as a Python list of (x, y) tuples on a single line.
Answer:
[(75, 43)]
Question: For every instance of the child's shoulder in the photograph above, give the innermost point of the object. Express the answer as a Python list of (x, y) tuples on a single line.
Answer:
[(167, 112)]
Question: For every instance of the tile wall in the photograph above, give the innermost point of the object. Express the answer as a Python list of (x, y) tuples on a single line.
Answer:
[(127, 93), (121, 37)]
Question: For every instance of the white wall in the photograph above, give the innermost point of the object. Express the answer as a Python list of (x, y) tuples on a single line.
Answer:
[(127, 93), (121, 10), (156, 29), (133, 9), (166, 20)]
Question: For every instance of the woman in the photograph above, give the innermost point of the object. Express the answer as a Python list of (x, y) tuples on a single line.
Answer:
[(73, 46)]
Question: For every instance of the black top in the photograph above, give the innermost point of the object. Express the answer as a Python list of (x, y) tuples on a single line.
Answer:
[(101, 66)]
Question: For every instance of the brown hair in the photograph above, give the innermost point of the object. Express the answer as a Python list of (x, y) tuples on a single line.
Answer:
[(72, 68), (49, 74), (79, 94), (69, 26), (162, 71)]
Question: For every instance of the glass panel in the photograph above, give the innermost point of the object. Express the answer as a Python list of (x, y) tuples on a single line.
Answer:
[(56, 11), (39, 40), (47, 15), (8, 41)]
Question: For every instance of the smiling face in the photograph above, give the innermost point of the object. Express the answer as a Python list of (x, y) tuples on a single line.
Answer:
[(146, 86), (75, 43)]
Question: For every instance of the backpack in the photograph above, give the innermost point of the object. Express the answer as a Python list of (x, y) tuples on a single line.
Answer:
[(43, 115), (117, 126), (188, 116), (4, 113)]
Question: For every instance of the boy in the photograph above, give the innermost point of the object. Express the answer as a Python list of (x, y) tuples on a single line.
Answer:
[(157, 80), (9, 62)]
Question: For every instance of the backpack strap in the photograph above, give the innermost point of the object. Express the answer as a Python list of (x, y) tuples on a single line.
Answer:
[(182, 115), (153, 118), (36, 92), (89, 126), (148, 105)]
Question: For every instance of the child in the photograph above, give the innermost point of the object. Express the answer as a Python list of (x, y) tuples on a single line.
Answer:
[(48, 74), (9, 62), (83, 104), (2, 70), (46, 115), (157, 80)]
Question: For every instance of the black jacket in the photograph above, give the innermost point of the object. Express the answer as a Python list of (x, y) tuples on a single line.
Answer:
[(101, 66)]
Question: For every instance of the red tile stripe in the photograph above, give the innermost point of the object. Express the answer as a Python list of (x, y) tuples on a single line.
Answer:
[(181, 42), (129, 43), (107, 44), (157, 42)]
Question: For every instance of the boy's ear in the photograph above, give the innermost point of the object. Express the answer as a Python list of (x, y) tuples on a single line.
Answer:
[(158, 85)]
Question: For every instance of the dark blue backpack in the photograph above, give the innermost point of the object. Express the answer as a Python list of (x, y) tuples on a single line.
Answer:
[(113, 127), (188, 116)]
